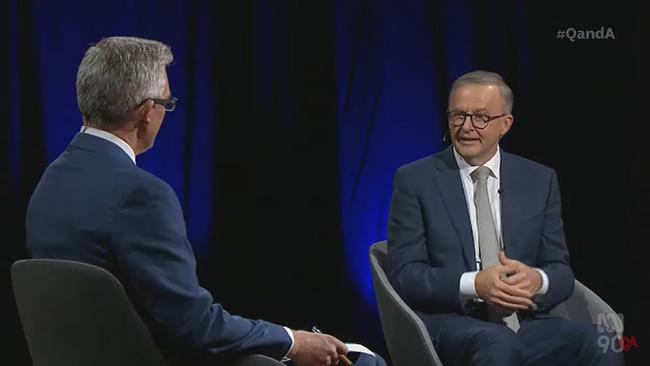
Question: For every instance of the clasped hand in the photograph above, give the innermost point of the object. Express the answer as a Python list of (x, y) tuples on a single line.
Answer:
[(510, 285)]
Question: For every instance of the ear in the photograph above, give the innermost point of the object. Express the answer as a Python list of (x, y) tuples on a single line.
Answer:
[(507, 123), (142, 116)]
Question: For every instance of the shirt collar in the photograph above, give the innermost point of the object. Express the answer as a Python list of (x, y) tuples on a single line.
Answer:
[(112, 138), (494, 164)]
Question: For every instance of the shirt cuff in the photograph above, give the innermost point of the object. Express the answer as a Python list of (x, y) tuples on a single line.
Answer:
[(468, 287), (542, 290), (290, 333)]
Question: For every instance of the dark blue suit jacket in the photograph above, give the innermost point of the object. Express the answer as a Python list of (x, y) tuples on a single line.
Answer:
[(94, 205), (430, 242)]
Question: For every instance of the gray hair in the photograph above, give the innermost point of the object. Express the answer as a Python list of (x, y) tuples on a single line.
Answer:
[(486, 78), (117, 74)]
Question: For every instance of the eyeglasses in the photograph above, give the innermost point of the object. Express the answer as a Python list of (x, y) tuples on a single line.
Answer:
[(479, 120), (169, 104)]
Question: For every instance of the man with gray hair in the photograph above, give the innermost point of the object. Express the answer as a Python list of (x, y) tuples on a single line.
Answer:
[(476, 243), (95, 205)]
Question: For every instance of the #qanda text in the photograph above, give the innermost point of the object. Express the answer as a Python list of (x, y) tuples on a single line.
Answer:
[(573, 34)]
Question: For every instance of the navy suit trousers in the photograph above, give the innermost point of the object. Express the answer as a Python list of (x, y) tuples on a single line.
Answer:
[(546, 340)]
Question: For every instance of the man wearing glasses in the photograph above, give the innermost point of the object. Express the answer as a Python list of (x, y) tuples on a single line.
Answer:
[(94, 205), (476, 243)]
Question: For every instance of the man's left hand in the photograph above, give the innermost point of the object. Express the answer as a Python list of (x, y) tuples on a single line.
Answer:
[(524, 277)]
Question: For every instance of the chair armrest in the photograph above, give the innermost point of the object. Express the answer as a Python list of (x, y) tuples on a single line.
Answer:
[(585, 305)]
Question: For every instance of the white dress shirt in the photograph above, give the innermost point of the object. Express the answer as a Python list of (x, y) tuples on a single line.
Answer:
[(467, 280)]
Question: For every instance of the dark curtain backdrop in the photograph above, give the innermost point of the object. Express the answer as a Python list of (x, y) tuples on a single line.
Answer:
[(294, 116)]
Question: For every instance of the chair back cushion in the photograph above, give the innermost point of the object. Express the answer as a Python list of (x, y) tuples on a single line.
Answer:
[(407, 339), (79, 314)]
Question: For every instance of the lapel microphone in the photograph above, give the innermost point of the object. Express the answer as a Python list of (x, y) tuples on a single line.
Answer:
[(444, 138)]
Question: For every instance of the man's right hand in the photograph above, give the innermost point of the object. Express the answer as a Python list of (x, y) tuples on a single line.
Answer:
[(314, 349), (491, 288)]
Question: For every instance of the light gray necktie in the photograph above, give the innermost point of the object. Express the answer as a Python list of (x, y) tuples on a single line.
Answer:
[(488, 241)]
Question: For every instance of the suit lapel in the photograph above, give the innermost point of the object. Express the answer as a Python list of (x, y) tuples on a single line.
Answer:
[(510, 206), (448, 179)]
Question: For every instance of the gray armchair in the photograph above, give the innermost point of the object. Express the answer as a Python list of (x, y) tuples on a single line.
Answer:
[(79, 314), (407, 338)]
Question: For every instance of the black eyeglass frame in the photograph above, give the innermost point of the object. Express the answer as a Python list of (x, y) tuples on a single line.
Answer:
[(484, 118), (169, 104)]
